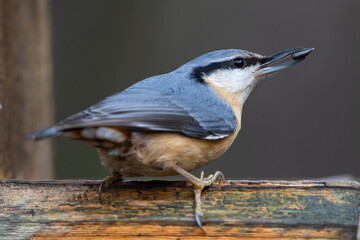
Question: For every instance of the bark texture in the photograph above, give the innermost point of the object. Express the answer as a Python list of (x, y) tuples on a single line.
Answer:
[(26, 102), (165, 210)]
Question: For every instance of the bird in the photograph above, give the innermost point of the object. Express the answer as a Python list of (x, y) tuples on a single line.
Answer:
[(176, 122)]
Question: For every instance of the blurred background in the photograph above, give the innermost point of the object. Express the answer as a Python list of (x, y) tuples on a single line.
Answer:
[(300, 123)]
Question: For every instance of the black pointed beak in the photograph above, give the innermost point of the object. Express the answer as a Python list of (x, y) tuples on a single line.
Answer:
[(274, 62)]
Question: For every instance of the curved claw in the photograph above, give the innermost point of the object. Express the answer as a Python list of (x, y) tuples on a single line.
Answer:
[(211, 179), (221, 175), (198, 222), (100, 190), (107, 182)]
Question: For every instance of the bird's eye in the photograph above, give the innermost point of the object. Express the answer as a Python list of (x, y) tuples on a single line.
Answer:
[(239, 62)]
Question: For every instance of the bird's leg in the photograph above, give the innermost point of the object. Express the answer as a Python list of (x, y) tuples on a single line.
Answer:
[(116, 177), (199, 185)]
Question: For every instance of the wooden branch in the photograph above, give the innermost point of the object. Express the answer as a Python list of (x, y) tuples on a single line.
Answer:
[(25, 88), (165, 210)]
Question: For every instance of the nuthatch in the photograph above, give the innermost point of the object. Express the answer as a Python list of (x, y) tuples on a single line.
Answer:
[(176, 122)]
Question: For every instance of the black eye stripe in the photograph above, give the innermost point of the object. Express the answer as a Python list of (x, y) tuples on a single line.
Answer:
[(252, 61), (229, 64)]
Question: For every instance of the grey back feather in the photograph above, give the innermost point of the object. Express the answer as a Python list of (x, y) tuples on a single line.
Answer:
[(173, 102)]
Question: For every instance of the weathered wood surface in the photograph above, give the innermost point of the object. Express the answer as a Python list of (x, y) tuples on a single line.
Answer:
[(165, 210), (25, 88)]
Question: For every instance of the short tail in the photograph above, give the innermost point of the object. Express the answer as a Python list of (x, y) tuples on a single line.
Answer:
[(45, 133)]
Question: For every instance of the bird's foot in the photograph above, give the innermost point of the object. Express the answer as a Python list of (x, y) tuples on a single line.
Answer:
[(116, 177), (199, 185)]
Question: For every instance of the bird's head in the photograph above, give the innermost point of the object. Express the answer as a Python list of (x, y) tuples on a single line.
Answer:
[(239, 71)]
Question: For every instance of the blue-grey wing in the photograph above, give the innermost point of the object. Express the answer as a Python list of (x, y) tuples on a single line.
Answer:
[(195, 111)]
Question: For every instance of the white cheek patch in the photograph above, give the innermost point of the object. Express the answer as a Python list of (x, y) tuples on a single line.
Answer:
[(239, 81), (233, 80)]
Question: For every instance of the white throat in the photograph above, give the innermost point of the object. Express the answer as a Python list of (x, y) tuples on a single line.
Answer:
[(238, 81)]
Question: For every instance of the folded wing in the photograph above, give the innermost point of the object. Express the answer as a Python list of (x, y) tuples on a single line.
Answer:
[(144, 108)]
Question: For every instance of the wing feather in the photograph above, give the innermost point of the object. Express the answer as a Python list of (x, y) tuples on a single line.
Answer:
[(194, 111)]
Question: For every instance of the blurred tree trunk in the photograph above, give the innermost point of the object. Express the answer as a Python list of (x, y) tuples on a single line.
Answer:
[(26, 102)]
